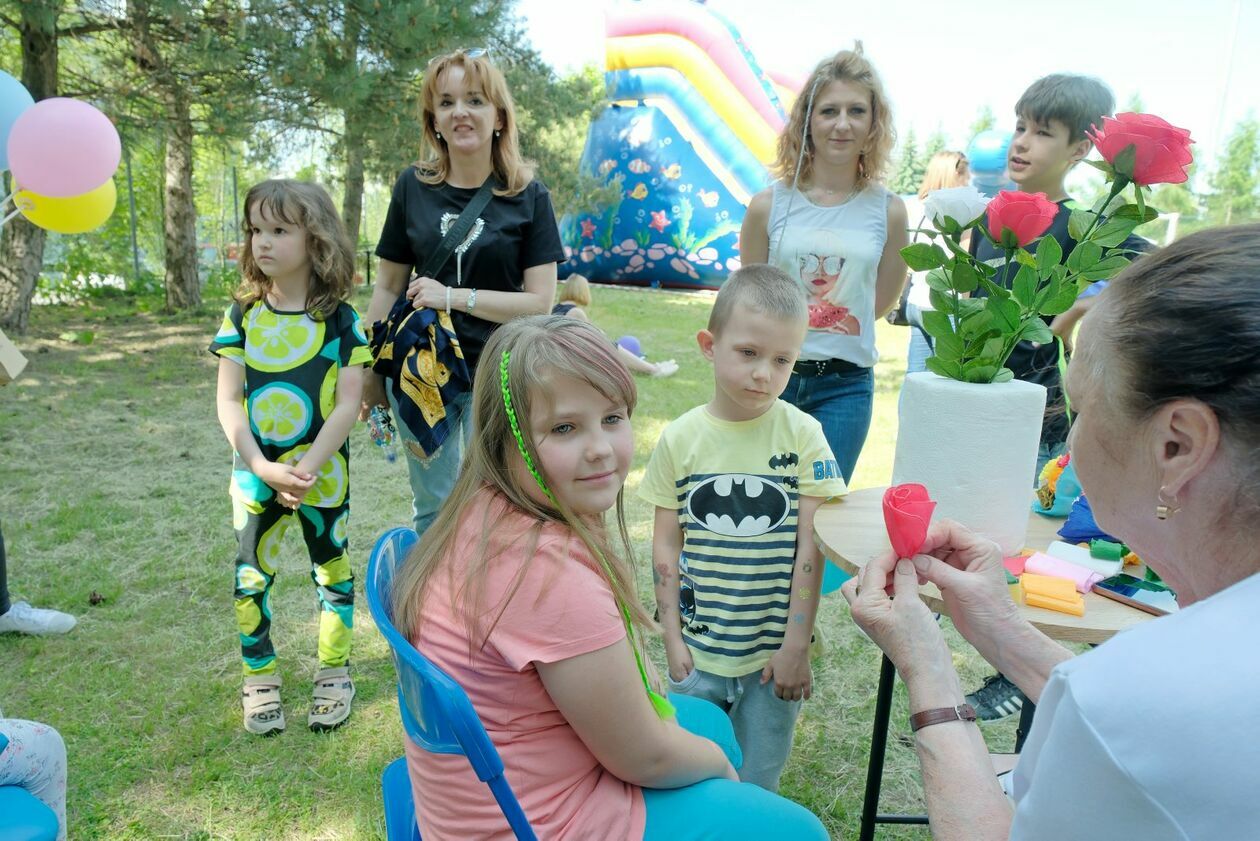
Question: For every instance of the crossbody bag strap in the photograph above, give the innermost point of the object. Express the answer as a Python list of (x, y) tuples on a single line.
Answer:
[(458, 231)]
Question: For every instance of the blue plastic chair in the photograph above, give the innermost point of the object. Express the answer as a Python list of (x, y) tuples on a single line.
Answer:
[(23, 816), (436, 713)]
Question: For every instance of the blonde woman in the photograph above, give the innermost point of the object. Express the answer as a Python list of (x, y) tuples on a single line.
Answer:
[(504, 268), (830, 222), (945, 170), (575, 298)]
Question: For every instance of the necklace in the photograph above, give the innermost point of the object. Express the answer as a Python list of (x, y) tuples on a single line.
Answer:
[(830, 194)]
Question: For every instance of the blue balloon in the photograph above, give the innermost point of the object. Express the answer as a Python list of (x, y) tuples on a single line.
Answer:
[(14, 99), (987, 152), (833, 578)]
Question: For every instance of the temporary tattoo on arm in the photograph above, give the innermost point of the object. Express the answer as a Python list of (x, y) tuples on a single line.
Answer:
[(805, 593), (799, 618)]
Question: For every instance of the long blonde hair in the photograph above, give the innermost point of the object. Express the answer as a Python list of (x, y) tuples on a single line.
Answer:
[(576, 290), (795, 149), (511, 170), (327, 244), (943, 172), (542, 348)]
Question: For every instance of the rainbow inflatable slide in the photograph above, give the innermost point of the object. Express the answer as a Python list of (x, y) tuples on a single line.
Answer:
[(689, 130)]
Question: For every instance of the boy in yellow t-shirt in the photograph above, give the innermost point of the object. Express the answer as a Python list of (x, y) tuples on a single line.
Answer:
[(736, 483)]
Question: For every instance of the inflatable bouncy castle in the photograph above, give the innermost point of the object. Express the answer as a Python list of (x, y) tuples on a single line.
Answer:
[(691, 125)]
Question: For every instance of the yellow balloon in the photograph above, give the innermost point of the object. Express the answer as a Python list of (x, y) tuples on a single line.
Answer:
[(72, 214)]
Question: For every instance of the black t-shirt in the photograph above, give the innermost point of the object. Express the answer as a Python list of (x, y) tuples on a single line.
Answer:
[(513, 233), (1041, 364)]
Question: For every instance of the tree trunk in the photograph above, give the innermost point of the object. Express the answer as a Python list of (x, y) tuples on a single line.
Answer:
[(183, 287), (352, 200), (22, 244)]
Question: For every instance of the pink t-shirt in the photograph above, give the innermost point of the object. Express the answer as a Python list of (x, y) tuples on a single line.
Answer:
[(562, 609)]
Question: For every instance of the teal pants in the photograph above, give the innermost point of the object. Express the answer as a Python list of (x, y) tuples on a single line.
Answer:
[(722, 810)]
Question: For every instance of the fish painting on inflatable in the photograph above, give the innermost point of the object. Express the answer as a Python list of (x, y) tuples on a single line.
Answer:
[(690, 127)]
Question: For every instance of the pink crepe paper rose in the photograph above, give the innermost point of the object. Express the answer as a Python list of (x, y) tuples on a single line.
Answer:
[(1026, 215), (1162, 151), (907, 512)]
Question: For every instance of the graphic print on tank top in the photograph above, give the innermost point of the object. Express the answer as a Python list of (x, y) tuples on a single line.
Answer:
[(835, 267)]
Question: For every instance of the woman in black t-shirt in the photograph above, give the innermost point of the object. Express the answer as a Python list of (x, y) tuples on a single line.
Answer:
[(504, 268)]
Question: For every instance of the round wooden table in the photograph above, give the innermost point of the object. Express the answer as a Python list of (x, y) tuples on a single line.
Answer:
[(851, 532)]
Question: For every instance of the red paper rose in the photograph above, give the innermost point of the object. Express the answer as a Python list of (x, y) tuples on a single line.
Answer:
[(1162, 150), (907, 512), (1026, 215)]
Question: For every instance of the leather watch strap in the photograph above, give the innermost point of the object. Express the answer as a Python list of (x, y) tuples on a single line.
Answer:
[(940, 715)]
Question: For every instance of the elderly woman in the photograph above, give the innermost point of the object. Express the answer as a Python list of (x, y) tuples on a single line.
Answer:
[(1150, 735)]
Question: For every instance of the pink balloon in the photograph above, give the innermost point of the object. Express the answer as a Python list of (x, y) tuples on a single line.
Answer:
[(63, 147)]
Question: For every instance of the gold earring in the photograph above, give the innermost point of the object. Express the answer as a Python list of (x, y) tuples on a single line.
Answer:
[(1166, 508)]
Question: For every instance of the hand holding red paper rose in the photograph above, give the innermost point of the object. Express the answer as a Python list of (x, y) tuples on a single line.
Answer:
[(907, 513)]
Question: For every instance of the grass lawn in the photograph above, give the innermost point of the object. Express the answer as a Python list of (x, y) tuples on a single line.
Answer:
[(114, 482)]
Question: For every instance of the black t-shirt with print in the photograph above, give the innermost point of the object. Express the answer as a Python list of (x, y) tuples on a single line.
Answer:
[(1040, 364), (513, 233)]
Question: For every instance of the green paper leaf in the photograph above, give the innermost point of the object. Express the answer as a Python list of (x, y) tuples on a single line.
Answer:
[(1139, 212), (975, 325), (1025, 259), (1105, 268), (979, 373), (940, 367), (1124, 162), (993, 347), (1103, 167), (964, 278), (937, 323), (938, 280), (1083, 256), (1049, 253), (1005, 375), (1006, 314), (940, 301), (1037, 331), (994, 290), (1078, 223), (1139, 197), (1114, 231), (1024, 286), (1061, 302), (923, 256), (949, 347)]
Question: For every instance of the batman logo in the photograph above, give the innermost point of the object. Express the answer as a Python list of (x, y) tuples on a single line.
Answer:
[(784, 460), (739, 505)]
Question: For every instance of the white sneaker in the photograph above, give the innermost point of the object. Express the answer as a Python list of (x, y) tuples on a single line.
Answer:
[(21, 618), (666, 369)]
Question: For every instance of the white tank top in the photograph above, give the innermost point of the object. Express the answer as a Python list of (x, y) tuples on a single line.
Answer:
[(835, 253)]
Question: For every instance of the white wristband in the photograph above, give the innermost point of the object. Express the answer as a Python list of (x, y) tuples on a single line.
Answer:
[(448, 300)]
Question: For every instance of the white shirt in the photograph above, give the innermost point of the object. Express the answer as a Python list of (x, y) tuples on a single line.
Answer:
[(1153, 735)]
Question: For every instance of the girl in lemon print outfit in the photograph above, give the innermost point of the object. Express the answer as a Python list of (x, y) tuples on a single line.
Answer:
[(291, 355)]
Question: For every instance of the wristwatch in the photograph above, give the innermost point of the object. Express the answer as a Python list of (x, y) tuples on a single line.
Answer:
[(940, 715)]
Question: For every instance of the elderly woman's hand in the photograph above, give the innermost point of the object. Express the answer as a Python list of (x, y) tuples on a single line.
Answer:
[(902, 626), (967, 569)]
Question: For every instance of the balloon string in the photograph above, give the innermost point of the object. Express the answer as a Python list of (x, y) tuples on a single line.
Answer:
[(9, 197)]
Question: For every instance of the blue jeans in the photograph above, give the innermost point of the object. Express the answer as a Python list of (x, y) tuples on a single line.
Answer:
[(842, 403), (721, 809), (920, 342), (433, 478)]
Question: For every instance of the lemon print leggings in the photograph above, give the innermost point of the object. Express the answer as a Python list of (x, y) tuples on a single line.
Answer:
[(260, 527)]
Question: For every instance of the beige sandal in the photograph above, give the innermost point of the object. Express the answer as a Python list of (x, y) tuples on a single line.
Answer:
[(330, 704), (264, 715)]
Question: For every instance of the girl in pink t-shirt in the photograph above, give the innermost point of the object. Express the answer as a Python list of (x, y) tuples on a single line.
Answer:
[(520, 593)]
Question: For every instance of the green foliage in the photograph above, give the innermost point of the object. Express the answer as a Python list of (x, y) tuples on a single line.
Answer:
[(910, 167), (983, 121), (1235, 185)]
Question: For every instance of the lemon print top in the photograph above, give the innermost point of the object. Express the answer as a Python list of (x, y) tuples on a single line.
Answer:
[(291, 363)]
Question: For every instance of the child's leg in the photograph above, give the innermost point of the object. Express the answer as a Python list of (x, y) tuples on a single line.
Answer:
[(259, 531), (763, 726), (35, 759), (325, 532)]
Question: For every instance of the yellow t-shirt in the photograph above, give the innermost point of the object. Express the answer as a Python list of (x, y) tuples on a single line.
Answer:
[(735, 485)]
